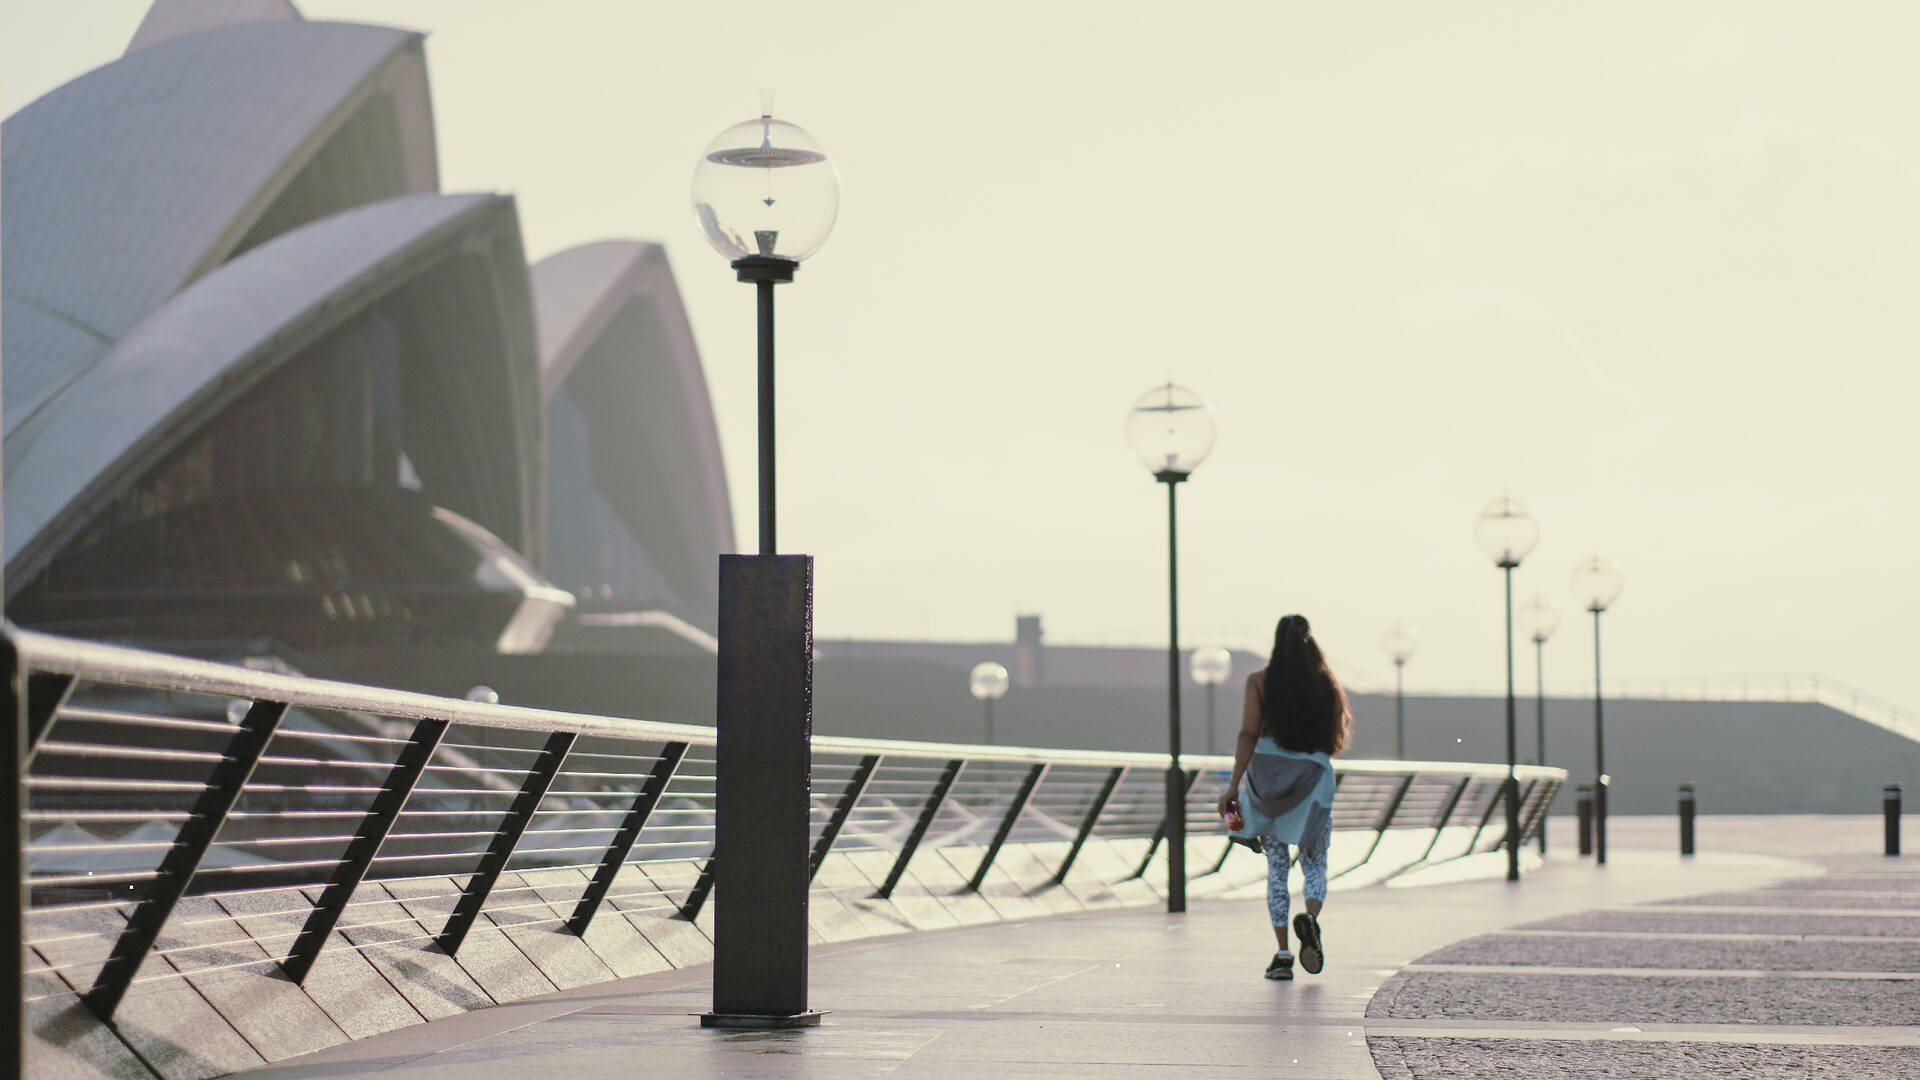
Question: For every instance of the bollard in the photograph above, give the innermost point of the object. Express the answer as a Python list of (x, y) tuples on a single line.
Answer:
[(1583, 807), (1890, 806), (1686, 819)]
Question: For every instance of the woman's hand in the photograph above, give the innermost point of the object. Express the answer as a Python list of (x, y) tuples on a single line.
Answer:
[(1229, 808)]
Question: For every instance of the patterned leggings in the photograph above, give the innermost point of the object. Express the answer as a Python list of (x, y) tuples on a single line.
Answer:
[(1313, 864)]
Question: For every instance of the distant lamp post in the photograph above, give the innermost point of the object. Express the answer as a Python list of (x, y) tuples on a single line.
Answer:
[(1400, 642), (1171, 432), (1597, 583), (1540, 617), (1210, 667), (766, 196), (988, 682), (1506, 531)]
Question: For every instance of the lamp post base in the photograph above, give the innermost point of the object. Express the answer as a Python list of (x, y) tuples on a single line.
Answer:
[(762, 1021)]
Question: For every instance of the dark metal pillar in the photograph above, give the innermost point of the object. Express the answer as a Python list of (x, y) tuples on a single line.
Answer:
[(1176, 825), (1686, 819), (1512, 787), (1399, 710), (1583, 809), (762, 773), (1540, 721), (1599, 755), (1890, 811)]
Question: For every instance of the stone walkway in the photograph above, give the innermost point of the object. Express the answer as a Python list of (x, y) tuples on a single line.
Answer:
[(1818, 976), (1557, 976)]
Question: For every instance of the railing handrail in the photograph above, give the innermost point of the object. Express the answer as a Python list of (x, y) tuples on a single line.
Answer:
[(95, 660)]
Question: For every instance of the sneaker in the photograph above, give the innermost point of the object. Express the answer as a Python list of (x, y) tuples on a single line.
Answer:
[(1281, 968), (1307, 929)]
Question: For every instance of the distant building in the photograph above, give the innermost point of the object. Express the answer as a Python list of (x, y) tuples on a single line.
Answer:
[(265, 383)]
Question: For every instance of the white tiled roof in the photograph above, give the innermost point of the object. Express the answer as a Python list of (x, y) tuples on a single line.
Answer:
[(126, 184)]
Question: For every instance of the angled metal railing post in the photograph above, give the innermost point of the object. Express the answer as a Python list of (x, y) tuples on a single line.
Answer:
[(189, 847), (856, 787), (46, 692), (1492, 805), (1536, 816), (702, 888), (1087, 823), (630, 828), (928, 812), (1386, 820), (1160, 831), (1006, 824), (407, 768), (512, 827), (1446, 815)]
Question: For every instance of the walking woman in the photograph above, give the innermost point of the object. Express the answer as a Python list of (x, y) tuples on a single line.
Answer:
[(1281, 794)]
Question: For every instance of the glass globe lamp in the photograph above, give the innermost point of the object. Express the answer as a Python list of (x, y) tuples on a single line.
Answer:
[(1506, 531), (1400, 642), (987, 681), (1211, 665), (1540, 617), (764, 187), (1170, 431), (1597, 583)]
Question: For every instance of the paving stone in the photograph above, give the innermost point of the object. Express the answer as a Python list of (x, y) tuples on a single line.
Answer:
[(909, 898), (1573, 1059), (1034, 878), (515, 906), (613, 940), (1502, 995), (1680, 922), (486, 955), (938, 878), (276, 1017), (1811, 898), (343, 983), (647, 908), (999, 890), (399, 948), (65, 1041), (1785, 954), (677, 878)]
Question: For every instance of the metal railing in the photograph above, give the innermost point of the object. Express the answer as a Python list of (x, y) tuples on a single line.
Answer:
[(147, 779)]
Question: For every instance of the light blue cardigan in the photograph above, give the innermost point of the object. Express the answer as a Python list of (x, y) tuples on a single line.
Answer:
[(1290, 825)]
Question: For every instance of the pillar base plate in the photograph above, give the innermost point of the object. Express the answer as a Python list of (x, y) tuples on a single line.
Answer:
[(762, 1021)]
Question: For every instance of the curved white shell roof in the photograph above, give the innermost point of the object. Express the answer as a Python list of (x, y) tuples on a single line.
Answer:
[(132, 181), (579, 295), (176, 370), (169, 19)]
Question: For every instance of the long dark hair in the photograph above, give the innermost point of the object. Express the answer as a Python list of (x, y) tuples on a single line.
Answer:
[(1302, 706)]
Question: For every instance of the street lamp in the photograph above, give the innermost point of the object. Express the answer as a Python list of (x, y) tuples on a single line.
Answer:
[(988, 682), (766, 195), (1596, 584), (1506, 531), (1540, 617), (1210, 666), (1171, 432), (1400, 641)]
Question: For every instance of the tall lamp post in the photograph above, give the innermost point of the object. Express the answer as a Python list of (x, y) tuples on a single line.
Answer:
[(1540, 617), (1171, 432), (766, 195), (1597, 583), (1400, 641), (1210, 666), (988, 683), (1506, 531)]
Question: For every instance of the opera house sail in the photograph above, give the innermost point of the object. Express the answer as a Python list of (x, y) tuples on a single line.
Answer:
[(268, 389)]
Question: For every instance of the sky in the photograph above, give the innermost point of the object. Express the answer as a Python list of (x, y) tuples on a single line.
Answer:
[(1649, 266)]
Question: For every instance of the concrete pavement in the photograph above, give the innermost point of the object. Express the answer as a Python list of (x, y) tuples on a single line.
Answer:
[(1407, 991)]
